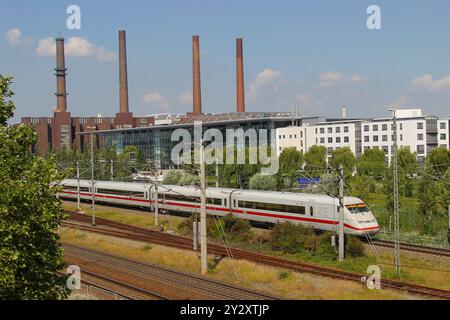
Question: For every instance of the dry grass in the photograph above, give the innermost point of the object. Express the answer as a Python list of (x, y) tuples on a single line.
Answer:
[(263, 278)]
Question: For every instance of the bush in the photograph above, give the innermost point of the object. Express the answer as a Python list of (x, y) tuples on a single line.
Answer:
[(291, 238), (263, 182), (284, 274), (354, 247)]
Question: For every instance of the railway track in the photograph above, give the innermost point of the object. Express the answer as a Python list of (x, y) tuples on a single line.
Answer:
[(413, 248), (117, 229), (118, 288), (172, 280)]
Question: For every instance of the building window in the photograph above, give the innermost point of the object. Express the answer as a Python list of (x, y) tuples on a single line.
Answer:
[(375, 127), (366, 128), (280, 136), (346, 129), (375, 138), (385, 138), (401, 126), (366, 138), (420, 125), (330, 151), (346, 139), (322, 140), (385, 149), (338, 129), (322, 130), (384, 127), (401, 137), (443, 136), (420, 137), (330, 140), (443, 125), (421, 149), (338, 139), (330, 130), (316, 130), (290, 136)]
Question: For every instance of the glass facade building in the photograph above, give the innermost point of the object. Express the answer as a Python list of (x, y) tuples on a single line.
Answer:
[(156, 141)]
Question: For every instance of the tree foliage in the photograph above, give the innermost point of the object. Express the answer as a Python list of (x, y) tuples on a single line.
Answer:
[(372, 163), (291, 161), (344, 157), (30, 213), (263, 182), (316, 159)]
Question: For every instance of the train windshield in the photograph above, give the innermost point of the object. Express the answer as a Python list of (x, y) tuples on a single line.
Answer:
[(357, 208)]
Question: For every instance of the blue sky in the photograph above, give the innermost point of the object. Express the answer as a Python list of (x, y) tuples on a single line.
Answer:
[(318, 55)]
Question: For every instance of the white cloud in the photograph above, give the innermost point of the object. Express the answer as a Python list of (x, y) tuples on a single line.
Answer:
[(76, 47), (330, 78), (263, 78), (427, 83), (156, 99), (186, 98), (356, 78), (14, 37)]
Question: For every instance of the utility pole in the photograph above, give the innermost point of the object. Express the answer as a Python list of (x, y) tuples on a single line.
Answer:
[(112, 170), (78, 187), (203, 239), (156, 197), (92, 174), (341, 214), (396, 198), (217, 174)]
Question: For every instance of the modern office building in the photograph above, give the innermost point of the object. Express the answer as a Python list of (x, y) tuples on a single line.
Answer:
[(419, 133)]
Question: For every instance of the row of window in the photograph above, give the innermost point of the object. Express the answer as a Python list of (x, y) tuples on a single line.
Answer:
[(330, 130), (275, 207), (134, 194), (82, 189), (283, 136), (331, 139)]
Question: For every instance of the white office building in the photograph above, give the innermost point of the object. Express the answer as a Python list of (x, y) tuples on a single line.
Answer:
[(420, 133)]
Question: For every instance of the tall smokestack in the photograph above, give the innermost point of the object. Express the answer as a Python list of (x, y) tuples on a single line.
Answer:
[(61, 94), (240, 95), (197, 92), (123, 76), (344, 112)]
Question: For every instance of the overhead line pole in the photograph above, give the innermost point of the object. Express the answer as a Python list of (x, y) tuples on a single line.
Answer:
[(396, 198), (341, 214), (203, 236), (78, 187), (92, 174)]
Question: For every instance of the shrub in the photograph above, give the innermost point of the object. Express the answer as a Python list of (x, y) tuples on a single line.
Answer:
[(284, 274), (354, 247), (172, 177), (291, 238)]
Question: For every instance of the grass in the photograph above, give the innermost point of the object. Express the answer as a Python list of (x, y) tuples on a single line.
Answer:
[(414, 266), (258, 277)]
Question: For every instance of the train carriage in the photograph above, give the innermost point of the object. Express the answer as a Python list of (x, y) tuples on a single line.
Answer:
[(319, 212)]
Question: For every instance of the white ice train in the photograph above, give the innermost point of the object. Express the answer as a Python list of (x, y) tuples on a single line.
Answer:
[(315, 211)]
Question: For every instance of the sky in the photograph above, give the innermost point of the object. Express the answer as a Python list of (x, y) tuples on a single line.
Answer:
[(315, 55)]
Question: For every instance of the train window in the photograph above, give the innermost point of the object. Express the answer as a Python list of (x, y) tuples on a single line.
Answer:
[(311, 211), (357, 208), (177, 197), (273, 207), (134, 194), (215, 201), (225, 202), (71, 188)]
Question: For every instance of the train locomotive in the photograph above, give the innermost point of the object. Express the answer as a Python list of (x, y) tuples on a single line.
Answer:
[(319, 212)]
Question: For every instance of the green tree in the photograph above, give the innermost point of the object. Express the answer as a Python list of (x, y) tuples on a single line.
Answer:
[(316, 159), (263, 182), (343, 157), (372, 163), (291, 161), (30, 213), (408, 165), (438, 161)]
